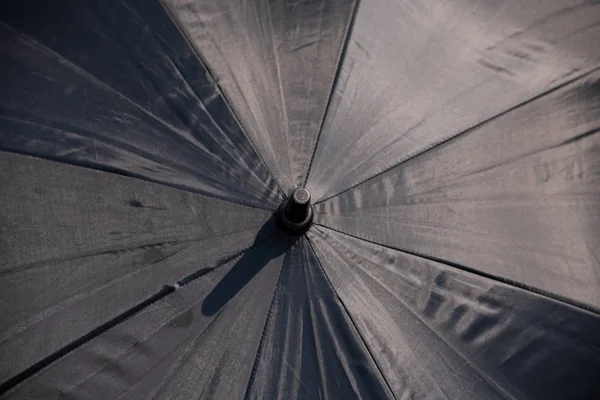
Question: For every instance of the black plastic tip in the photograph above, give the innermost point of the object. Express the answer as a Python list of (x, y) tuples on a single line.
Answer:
[(295, 214)]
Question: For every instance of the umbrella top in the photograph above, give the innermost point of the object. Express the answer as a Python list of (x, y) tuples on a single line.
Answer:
[(301, 196), (296, 213)]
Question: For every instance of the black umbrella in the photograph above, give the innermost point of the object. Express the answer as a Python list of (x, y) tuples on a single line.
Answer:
[(284, 199)]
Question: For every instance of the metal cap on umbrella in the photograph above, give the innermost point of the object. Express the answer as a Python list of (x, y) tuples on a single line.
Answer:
[(296, 213)]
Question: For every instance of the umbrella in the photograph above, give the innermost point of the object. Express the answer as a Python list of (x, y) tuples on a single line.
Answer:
[(283, 199)]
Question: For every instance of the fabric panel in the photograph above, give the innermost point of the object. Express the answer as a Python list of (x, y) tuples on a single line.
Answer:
[(311, 347), (276, 62), (199, 342), (78, 247), (114, 85), (419, 72), (517, 198), (441, 333)]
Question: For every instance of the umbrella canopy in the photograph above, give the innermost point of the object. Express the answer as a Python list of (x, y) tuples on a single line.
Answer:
[(298, 199)]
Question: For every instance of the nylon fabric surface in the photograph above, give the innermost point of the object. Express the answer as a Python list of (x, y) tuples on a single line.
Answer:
[(440, 333), (311, 348), (527, 210), (114, 85), (452, 154), (276, 62), (77, 254), (419, 72), (188, 345)]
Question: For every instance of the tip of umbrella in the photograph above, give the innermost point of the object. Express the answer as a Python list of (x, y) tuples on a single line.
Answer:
[(301, 196), (296, 213)]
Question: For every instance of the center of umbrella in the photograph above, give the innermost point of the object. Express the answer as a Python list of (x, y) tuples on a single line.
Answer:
[(295, 214)]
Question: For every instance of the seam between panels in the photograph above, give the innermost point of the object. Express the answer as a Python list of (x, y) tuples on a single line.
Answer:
[(334, 83), (171, 374), (128, 100), (510, 282), (499, 389), (221, 92), (266, 328), (351, 319), (285, 123), (142, 271), (203, 271), (128, 174), (170, 241), (166, 290), (74, 344), (470, 129)]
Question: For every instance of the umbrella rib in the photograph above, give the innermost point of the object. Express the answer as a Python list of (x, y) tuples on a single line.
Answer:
[(490, 381), (119, 319), (531, 289), (351, 319), (285, 122), (221, 92), (334, 83), (117, 171), (45, 362), (265, 329), (97, 82), (468, 130), (105, 140), (203, 271), (84, 74), (48, 312)]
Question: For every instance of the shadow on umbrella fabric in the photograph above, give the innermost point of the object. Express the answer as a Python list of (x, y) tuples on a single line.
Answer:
[(248, 265)]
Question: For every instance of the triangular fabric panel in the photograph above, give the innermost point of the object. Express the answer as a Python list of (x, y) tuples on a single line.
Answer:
[(441, 333), (311, 349), (114, 85), (84, 246), (276, 62), (188, 345), (419, 72), (516, 198)]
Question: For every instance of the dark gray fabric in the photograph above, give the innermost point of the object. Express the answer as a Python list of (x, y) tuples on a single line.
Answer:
[(419, 72), (113, 85), (188, 345), (276, 62), (517, 197), (438, 332), (311, 348), (78, 247), (452, 148)]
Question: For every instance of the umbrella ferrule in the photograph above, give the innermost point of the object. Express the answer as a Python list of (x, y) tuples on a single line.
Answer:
[(296, 213)]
